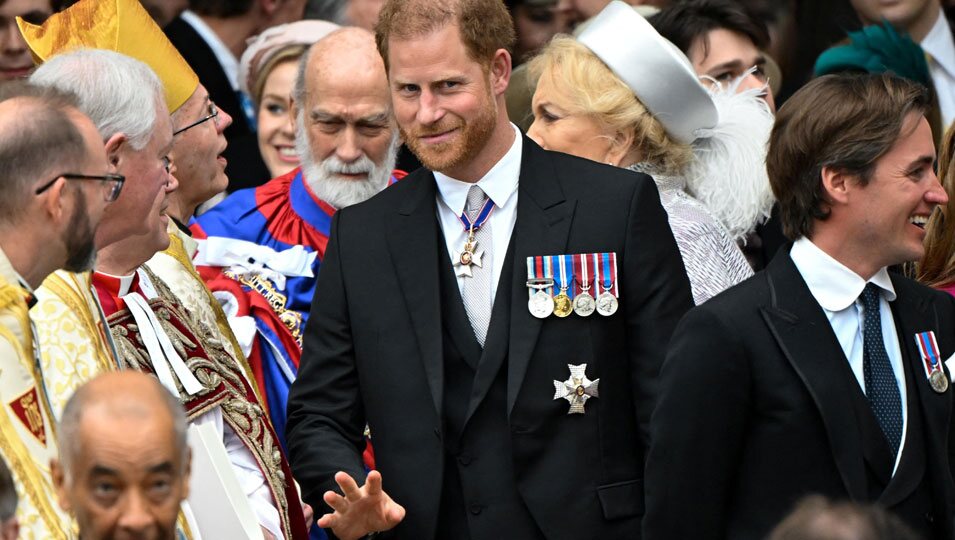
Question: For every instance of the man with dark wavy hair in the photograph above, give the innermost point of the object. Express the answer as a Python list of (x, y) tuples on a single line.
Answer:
[(825, 373)]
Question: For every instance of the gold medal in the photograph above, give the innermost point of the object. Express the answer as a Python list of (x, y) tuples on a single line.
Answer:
[(939, 382), (562, 304)]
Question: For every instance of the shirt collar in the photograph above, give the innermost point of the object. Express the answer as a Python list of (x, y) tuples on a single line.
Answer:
[(938, 43), (499, 183), (228, 61), (831, 283), (116, 286)]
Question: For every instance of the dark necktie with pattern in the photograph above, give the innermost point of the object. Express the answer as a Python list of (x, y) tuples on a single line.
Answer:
[(881, 386)]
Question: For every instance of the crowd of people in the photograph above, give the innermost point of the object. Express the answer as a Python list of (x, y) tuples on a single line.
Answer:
[(476, 269)]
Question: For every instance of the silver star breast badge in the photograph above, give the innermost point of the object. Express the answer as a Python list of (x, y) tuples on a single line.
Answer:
[(577, 389), (461, 269)]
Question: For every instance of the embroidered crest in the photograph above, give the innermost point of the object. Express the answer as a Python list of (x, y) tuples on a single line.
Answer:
[(27, 409)]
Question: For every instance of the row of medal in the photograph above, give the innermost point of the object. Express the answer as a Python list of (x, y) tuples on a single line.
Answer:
[(564, 284)]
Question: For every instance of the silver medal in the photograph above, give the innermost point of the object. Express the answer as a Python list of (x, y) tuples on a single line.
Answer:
[(541, 304), (607, 304), (939, 382), (584, 304)]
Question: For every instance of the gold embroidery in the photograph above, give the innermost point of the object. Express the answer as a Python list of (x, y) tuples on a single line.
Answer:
[(292, 319)]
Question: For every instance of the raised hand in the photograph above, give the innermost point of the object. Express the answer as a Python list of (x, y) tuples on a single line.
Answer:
[(362, 510)]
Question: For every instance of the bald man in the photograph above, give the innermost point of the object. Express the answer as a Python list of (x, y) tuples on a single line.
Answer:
[(123, 467), (265, 245)]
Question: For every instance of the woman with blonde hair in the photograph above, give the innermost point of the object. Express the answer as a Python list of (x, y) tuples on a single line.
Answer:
[(621, 94), (937, 268)]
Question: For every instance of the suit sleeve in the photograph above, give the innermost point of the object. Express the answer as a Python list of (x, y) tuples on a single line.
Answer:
[(696, 431), (326, 418), (657, 295)]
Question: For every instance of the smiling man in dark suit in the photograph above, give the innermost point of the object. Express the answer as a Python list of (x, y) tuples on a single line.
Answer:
[(423, 330), (825, 372)]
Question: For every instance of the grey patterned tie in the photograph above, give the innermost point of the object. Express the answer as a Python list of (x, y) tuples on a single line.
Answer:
[(881, 386), (477, 288)]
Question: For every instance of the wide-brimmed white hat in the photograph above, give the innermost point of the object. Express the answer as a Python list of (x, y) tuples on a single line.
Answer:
[(659, 74)]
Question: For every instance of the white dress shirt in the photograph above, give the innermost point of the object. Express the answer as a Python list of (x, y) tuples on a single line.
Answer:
[(500, 185), (228, 61), (837, 290), (939, 45)]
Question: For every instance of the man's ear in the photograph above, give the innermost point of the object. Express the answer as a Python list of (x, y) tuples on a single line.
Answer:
[(836, 184), (116, 151), (60, 485), (53, 202), (500, 72)]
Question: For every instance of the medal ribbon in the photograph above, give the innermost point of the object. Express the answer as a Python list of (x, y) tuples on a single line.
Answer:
[(582, 270), (928, 347), (539, 268), (561, 262), (608, 280), (481, 217)]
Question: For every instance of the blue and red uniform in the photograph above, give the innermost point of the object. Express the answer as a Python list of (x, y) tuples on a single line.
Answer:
[(282, 214)]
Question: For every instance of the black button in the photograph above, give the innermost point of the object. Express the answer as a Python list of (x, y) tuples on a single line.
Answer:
[(464, 459), (476, 509), (437, 432), (930, 517)]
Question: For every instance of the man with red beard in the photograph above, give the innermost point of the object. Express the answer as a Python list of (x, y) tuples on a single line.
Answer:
[(261, 248), (497, 318)]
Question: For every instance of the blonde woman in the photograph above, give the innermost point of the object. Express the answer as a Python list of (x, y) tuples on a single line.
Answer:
[(623, 95), (937, 268)]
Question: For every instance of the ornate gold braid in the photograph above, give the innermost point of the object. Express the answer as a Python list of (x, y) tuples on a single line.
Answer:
[(78, 306), (290, 318), (177, 251), (18, 456), (246, 418)]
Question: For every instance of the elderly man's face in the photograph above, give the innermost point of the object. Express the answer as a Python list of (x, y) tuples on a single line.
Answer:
[(345, 134), (197, 151), (146, 173), (126, 477)]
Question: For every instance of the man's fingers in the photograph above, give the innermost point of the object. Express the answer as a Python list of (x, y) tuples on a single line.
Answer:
[(336, 501), (348, 486), (395, 514), (327, 521), (373, 483)]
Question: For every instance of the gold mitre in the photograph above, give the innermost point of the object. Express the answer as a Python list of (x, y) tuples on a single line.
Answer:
[(122, 26)]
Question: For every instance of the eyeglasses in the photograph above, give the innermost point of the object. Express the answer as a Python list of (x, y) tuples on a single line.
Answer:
[(114, 182), (213, 113)]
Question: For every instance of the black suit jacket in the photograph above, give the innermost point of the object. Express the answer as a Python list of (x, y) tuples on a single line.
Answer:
[(756, 411), (245, 167), (373, 350)]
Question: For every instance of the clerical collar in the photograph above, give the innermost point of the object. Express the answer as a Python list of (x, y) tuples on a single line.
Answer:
[(831, 283), (499, 183), (117, 286)]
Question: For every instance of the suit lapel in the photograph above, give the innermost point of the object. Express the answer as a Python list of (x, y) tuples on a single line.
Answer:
[(804, 334), (412, 241), (543, 223), (914, 314)]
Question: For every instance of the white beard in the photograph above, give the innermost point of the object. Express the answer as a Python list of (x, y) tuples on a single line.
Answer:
[(322, 177)]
